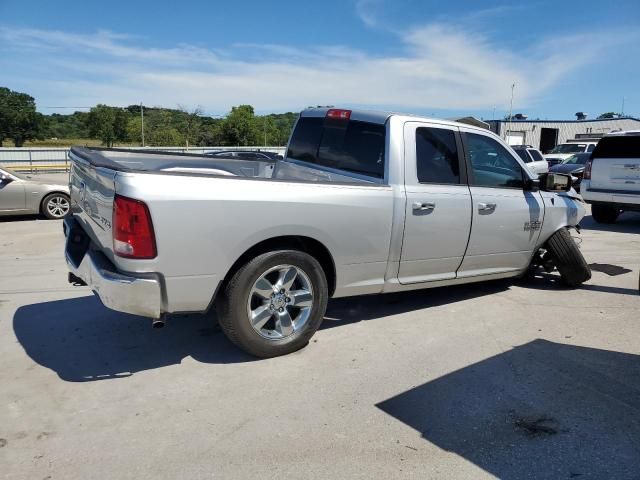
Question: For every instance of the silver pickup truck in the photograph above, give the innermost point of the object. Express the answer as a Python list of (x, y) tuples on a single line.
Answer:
[(363, 203)]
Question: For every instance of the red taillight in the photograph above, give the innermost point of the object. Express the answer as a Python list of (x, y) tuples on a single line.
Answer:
[(338, 114), (133, 235), (587, 170)]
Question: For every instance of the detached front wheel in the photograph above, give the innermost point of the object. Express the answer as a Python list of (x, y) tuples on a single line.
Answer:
[(568, 259), (274, 304)]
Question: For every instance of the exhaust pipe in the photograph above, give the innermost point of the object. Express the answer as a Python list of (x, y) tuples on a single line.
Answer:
[(158, 322)]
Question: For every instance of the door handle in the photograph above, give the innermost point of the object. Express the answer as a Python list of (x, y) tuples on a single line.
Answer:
[(486, 207), (423, 206)]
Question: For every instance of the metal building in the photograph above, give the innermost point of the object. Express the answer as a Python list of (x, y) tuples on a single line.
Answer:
[(546, 134)]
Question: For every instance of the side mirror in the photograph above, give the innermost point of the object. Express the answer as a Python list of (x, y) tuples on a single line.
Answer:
[(555, 182)]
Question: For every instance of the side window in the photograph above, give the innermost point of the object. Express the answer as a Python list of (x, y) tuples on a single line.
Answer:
[(437, 156), (491, 164), (590, 148), (537, 156)]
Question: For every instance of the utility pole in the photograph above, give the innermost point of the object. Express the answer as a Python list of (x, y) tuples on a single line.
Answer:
[(264, 125), (513, 86), (622, 111), (142, 122)]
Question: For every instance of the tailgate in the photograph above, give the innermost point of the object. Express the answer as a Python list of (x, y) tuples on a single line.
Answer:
[(616, 174), (92, 191), (616, 164)]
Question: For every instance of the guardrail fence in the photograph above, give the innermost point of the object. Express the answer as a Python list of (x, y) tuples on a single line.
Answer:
[(43, 159)]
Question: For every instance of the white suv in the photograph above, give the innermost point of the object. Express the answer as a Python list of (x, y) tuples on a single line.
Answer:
[(532, 157), (611, 182), (565, 150)]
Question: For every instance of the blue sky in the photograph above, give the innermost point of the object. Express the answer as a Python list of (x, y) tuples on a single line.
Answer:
[(429, 57)]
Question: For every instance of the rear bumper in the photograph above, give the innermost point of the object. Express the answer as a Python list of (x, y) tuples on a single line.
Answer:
[(624, 199), (135, 294)]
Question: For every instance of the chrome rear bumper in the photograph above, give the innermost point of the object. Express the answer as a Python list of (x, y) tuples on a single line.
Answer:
[(138, 295)]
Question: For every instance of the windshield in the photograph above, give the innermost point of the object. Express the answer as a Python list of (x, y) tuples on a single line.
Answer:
[(579, 159), (569, 148)]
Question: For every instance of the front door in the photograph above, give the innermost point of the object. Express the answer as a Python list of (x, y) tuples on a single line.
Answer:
[(438, 204), (506, 218), (12, 195)]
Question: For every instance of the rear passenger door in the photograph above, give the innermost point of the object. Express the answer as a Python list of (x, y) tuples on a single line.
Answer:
[(438, 203), (506, 218)]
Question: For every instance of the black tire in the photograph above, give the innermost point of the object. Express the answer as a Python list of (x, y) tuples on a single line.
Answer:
[(568, 259), (604, 213), (231, 305), (56, 212)]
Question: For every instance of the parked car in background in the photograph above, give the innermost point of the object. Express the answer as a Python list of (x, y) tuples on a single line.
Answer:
[(245, 154), (565, 150), (364, 203), (574, 166), (611, 180), (24, 194), (532, 157)]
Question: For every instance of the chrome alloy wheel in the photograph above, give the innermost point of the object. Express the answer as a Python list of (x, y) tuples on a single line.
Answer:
[(58, 206), (280, 302)]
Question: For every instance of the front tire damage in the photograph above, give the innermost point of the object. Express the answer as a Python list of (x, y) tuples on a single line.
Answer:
[(563, 253)]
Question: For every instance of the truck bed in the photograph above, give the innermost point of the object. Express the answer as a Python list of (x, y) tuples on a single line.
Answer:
[(206, 212), (146, 161)]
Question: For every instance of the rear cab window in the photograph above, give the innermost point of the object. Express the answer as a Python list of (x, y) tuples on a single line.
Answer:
[(349, 145)]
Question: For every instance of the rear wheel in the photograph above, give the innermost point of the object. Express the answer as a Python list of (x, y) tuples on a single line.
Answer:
[(604, 213), (568, 259), (55, 206), (274, 304)]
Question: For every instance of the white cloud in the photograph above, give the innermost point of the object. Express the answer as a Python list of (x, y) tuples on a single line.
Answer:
[(442, 67), (366, 11)]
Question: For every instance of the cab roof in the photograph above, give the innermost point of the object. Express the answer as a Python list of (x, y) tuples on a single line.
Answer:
[(380, 116)]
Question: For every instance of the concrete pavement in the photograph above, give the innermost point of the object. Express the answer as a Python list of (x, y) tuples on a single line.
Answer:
[(517, 379)]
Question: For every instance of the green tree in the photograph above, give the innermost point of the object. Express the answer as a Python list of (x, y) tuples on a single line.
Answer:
[(19, 120), (189, 124), (239, 128), (108, 124), (609, 115), (134, 129), (159, 129)]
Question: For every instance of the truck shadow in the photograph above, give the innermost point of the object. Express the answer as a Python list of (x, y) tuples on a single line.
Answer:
[(81, 340), (341, 311), (551, 281), (539, 410)]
